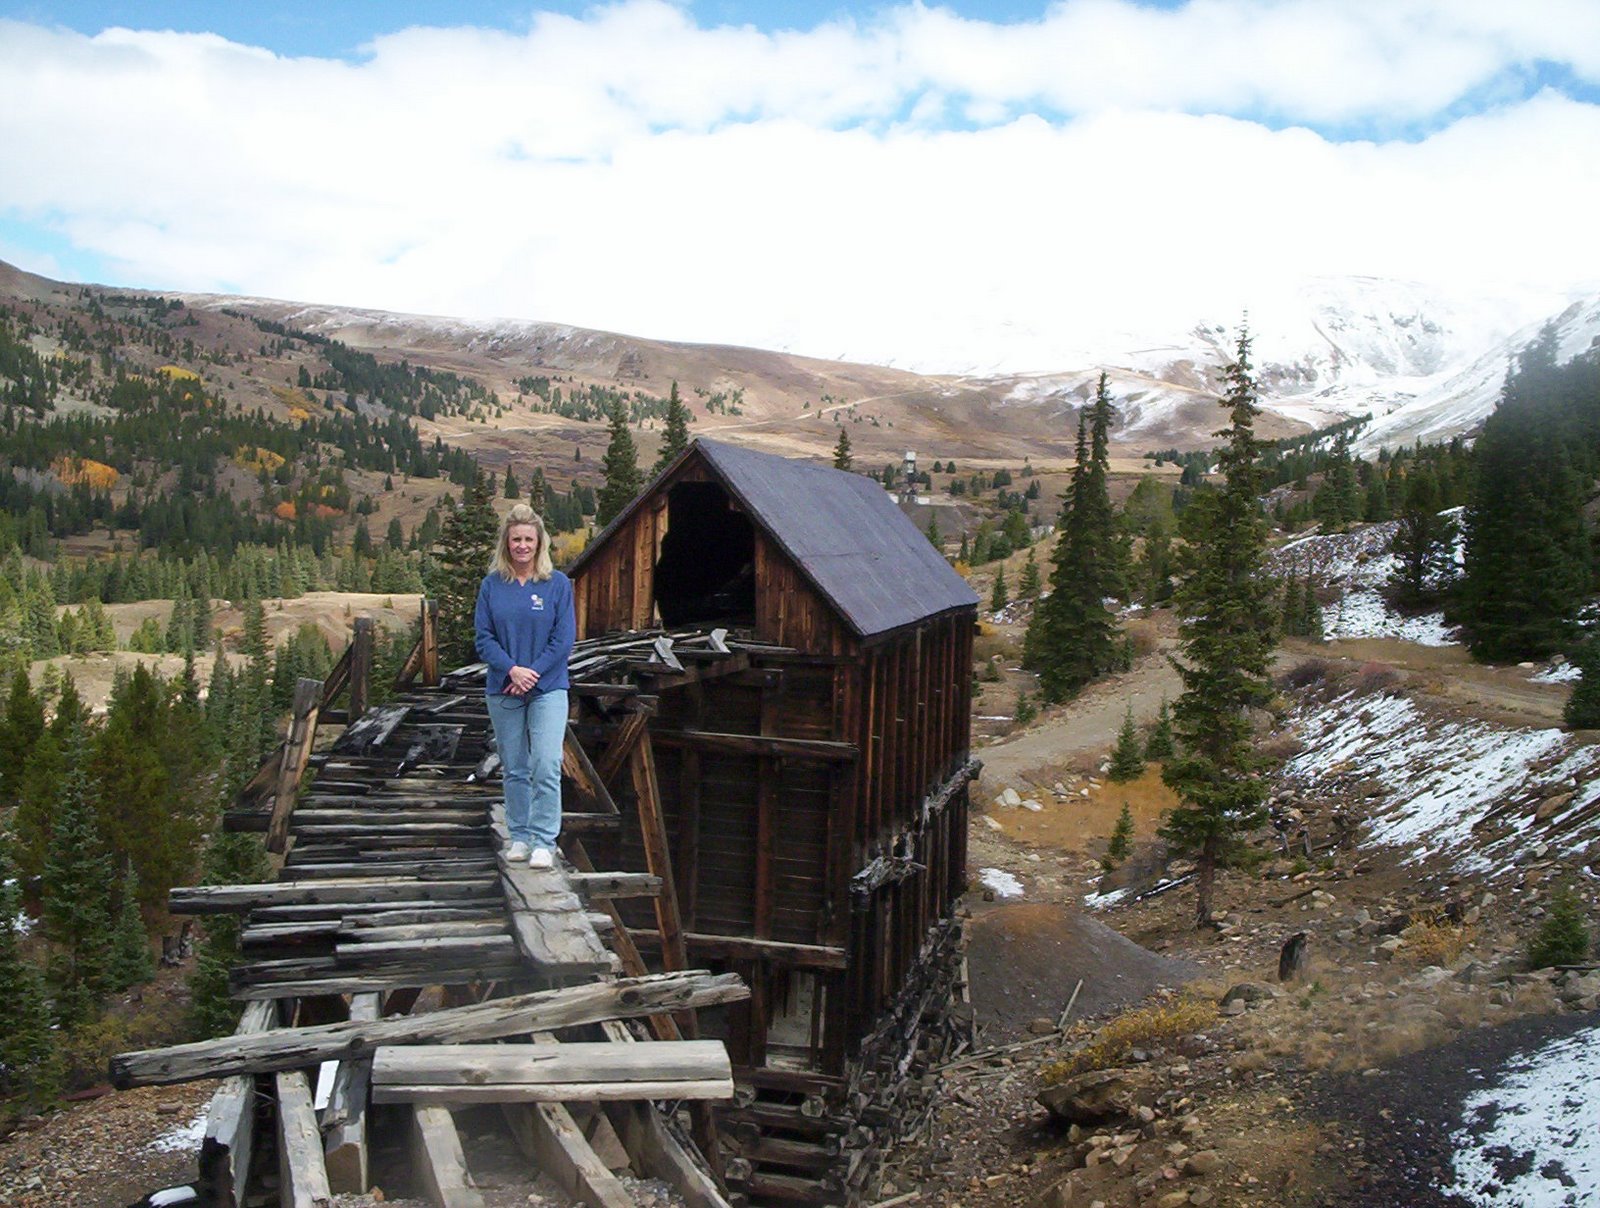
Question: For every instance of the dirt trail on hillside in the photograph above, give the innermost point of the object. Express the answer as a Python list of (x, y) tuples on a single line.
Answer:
[(1080, 732)]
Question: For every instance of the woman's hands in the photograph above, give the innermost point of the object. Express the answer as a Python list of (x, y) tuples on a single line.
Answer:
[(522, 680)]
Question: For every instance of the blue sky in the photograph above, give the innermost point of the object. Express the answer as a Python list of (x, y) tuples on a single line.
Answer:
[(952, 186)]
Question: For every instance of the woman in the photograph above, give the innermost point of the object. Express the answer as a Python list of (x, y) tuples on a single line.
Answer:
[(525, 630)]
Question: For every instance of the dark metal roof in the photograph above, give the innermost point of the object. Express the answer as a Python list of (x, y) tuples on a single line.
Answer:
[(842, 531)]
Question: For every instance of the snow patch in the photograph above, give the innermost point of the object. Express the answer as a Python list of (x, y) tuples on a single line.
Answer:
[(1539, 1141), (183, 1138), (1566, 673), (1104, 901), (1444, 777), (999, 882)]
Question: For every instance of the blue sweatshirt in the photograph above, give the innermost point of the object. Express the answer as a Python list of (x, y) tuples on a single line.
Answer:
[(528, 624)]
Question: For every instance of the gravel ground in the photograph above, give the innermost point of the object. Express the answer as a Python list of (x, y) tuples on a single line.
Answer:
[(1415, 1106)]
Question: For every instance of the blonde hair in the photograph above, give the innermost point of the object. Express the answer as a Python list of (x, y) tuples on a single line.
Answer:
[(500, 564)]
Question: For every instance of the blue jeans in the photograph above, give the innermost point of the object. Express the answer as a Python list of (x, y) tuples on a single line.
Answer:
[(529, 731)]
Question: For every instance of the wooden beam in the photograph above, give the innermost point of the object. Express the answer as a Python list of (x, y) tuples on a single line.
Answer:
[(303, 1179), (622, 743), (757, 744), (548, 1133), (548, 919), (360, 667), (236, 899), (811, 956), (227, 1148), (658, 854), (543, 1010), (553, 1067), (336, 681), (344, 1123), (608, 886), (430, 643), (437, 1160), (589, 784)]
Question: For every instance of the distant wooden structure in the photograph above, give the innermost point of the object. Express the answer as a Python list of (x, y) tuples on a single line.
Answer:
[(812, 793)]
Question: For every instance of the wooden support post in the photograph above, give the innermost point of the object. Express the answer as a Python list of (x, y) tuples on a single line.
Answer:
[(674, 954), (658, 857), (430, 643), (296, 753), (622, 743), (227, 1148), (360, 667), (336, 681), (303, 1177), (548, 1134), (345, 1121), (437, 1159), (575, 766)]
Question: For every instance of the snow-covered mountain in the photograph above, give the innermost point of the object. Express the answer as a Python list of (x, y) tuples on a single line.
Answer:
[(1424, 363)]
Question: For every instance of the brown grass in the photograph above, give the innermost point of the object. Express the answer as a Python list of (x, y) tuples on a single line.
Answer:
[(1150, 1026), (1437, 941)]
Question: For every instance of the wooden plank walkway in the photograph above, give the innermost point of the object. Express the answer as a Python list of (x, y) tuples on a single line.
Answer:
[(394, 880)]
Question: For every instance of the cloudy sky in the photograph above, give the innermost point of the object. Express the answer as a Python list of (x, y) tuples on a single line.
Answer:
[(951, 186)]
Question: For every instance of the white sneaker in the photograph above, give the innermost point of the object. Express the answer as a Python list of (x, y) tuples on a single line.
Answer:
[(541, 858), (517, 851)]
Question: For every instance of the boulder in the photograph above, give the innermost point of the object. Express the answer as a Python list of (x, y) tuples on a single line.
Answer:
[(1248, 993), (1099, 1096)]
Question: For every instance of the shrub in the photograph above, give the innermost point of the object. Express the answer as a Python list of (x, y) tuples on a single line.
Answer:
[(1562, 938), (1144, 1027), (1305, 673), (1375, 676), (1026, 710)]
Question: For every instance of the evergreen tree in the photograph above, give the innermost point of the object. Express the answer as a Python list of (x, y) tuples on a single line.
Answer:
[(29, 1059), (1127, 756), (1311, 609), (513, 488), (466, 544), (1121, 843), (1528, 564), (1423, 545), (230, 859), (1159, 745), (20, 730), (1562, 939), (675, 435), (1582, 710), (1223, 601), (130, 963), (934, 538), (841, 452), (964, 554), (621, 469), (998, 598), (1028, 587), (77, 878), (1155, 563), (1072, 637)]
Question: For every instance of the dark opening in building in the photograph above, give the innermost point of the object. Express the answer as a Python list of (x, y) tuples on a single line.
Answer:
[(707, 571)]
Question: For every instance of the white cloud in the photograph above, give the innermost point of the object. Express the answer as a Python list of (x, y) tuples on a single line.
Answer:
[(632, 171)]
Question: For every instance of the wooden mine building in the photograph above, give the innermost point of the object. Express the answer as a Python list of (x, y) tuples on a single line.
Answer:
[(814, 789)]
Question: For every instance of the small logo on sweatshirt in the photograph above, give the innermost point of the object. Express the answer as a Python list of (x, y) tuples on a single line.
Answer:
[(538, 603)]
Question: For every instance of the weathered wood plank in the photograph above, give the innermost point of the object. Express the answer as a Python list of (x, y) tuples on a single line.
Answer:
[(437, 1159), (757, 744), (345, 1121), (468, 1065), (294, 1048), (233, 899), (816, 956), (296, 751), (303, 1177), (226, 1149), (562, 1092)]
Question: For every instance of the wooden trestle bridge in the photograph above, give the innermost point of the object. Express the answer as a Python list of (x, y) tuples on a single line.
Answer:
[(398, 943)]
